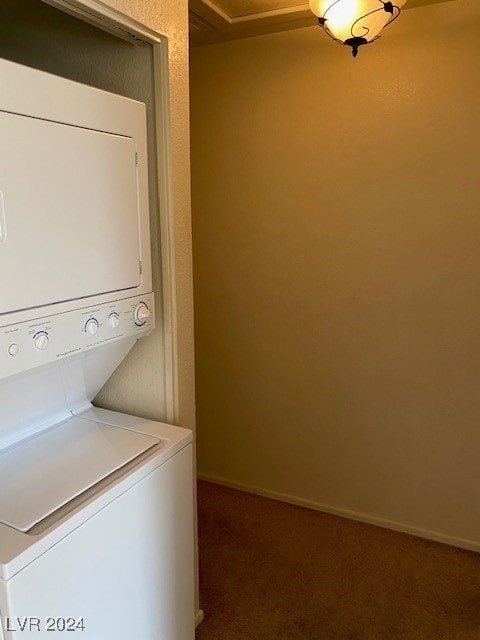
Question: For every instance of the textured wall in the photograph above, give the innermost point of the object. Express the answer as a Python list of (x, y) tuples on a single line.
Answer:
[(337, 270)]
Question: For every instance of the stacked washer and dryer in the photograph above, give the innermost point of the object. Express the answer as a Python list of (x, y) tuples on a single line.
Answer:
[(96, 515)]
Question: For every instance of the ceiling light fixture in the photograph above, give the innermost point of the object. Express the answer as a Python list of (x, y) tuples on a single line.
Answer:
[(355, 22)]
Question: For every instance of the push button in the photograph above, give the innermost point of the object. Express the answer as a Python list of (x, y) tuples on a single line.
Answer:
[(13, 349)]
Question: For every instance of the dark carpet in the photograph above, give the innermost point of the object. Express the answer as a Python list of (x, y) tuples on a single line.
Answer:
[(272, 571)]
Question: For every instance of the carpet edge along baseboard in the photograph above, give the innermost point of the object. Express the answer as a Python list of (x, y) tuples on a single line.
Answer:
[(453, 541)]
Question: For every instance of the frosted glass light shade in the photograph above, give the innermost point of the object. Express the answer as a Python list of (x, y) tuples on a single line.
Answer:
[(355, 22)]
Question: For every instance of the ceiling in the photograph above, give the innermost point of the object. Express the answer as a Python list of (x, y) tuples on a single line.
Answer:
[(218, 20), (236, 8)]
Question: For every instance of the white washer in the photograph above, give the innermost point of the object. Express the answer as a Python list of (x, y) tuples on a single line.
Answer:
[(115, 563)]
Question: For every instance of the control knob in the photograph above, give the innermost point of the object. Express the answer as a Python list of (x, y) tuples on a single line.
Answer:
[(141, 313), (91, 326), (114, 320), (41, 340)]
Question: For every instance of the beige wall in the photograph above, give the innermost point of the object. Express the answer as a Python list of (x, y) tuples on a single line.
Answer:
[(337, 269)]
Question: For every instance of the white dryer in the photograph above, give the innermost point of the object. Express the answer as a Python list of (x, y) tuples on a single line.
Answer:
[(96, 507)]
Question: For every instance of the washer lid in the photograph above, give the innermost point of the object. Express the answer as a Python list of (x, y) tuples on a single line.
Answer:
[(40, 475)]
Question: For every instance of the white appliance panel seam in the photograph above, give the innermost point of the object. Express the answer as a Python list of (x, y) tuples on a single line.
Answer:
[(67, 124)]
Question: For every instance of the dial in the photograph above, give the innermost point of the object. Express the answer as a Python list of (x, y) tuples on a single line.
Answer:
[(114, 320), (141, 313), (41, 340), (91, 326)]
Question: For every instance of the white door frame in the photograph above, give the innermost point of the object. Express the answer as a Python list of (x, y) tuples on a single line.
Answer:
[(109, 19)]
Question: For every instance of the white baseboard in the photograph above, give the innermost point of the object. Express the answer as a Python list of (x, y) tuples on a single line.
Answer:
[(470, 545), (199, 616)]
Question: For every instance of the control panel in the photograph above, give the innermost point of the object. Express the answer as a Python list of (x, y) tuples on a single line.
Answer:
[(31, 344)]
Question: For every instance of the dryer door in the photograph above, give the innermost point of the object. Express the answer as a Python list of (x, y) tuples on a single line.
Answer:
[(69, 223)]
